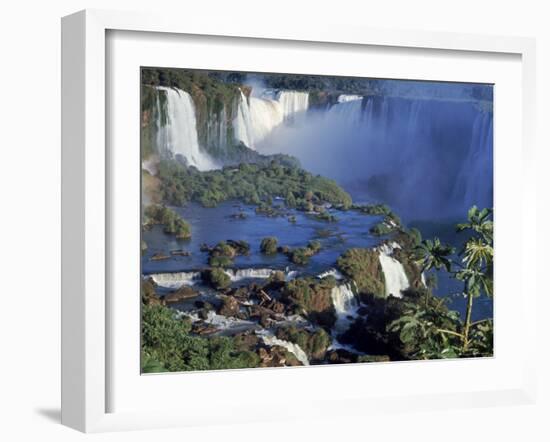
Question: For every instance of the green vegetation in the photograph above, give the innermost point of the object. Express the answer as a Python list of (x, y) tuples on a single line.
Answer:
[(167, 346), (382, 229), (315, 344), (251, 183), (326, 216), (301, 255), (363, 267), (442, 333), (215, 102), (373, 209), (312, 297), (172, 222), (268, 245), (217, 278), (222, 254)]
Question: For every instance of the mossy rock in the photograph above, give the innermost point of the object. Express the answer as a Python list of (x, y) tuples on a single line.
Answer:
[(312, 297), (217, 278), (314, 344), (363, 267)]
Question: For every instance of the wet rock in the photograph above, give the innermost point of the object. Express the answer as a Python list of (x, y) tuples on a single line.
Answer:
[(373, 358), (180, 252), (148, 293), (265, 321), (204, 329), (341, 356), (277, 307), (230, 306), (276, 357), (183, 293)]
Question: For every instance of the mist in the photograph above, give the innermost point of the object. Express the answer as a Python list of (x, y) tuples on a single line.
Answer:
[(426, 156)]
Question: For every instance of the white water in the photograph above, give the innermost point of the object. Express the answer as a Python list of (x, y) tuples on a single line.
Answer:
[(179, 135), (345, 303), (220, 321), (394, 273), (257, 117), (331, 272), (295, 349), (293, 102), (175, 280), (240, 274), (346, 115), (345, 98), (397, 142)]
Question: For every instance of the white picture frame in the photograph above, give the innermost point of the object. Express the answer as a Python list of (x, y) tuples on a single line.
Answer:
[(86, 315)]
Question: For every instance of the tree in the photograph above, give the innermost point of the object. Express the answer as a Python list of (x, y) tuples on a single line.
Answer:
[(268, 246), (477, 259), (432, 254), (475, 268)]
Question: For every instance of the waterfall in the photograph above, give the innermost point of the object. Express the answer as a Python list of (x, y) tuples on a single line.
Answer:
[(428, 158), (394, 274), (345, 98), (240, 274), (176, 279), (179, 134), (219, 321), (293, 102), (293, 348), (479, 159), (346, 114), (257, 117), (331, 272), (345, 304), (242, 125)]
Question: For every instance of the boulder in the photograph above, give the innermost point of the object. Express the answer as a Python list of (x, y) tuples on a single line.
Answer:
[(181, 294), (230, 306)]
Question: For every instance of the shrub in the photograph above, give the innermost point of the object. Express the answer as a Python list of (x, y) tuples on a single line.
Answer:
[(218, 278), (172, 222), (363, 267), (268, 246)]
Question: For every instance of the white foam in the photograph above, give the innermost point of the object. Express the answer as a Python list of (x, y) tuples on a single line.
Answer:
[(269, 339)]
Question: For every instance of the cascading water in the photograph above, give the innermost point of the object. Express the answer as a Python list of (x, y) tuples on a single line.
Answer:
[(479, 160), (292, 103), (345, 304), (237, 275), (394, 274), (347, 113), (345, 98), (179, 133), (175, 280), (293, 348), (428, 158), (257, 117)]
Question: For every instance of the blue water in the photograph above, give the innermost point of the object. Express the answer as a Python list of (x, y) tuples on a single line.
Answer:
[(211, 225), (446, 284)]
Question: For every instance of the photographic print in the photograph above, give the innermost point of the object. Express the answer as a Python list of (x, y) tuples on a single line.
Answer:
[(294, 220)]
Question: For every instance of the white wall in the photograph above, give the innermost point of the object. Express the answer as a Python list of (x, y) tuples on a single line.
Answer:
[(30, 221)]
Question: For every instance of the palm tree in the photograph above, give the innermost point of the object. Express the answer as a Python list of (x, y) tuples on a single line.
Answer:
[(476, 267), (434, 255), (479, 221), (477, 274)]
